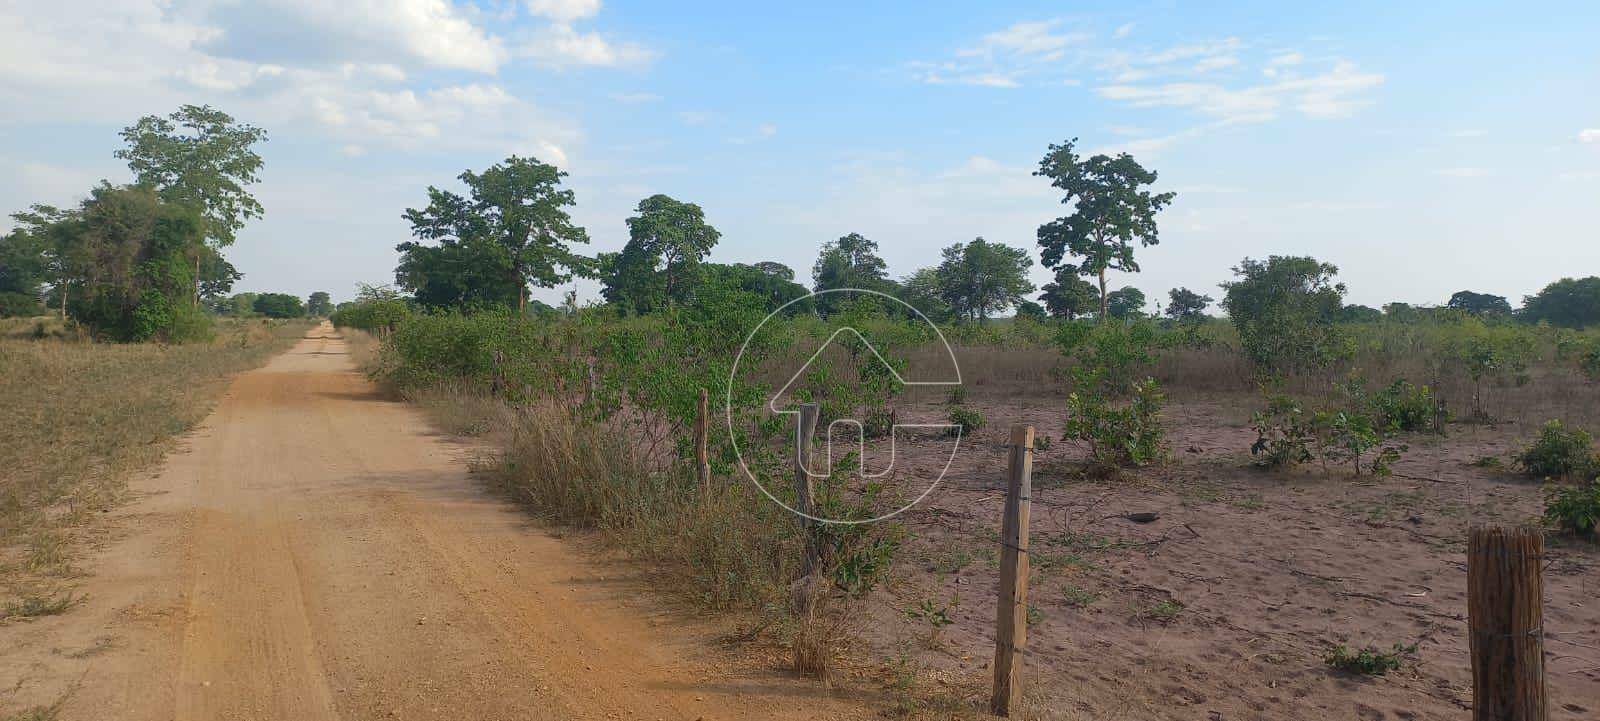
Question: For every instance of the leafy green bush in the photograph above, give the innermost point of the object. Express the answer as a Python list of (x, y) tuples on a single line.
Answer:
[(1406, 407), (1369, 661), (1559, 452), (1284, 435), (19, 305), (1573, 509), (1120, 435), (966, 418)]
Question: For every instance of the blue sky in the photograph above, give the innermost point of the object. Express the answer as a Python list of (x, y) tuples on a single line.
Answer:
[(1424, 149)]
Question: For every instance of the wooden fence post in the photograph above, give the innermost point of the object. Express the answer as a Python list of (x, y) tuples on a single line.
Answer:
[(702, 462), (1011, 625), (1505, 599), (805, 431)]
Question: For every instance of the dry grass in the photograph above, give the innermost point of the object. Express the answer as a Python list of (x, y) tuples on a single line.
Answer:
[(79, 416)]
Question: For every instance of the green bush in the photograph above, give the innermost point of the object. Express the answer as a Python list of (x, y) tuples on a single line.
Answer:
[(1368, 661), (1118, 435), (1573, 509), (1406, 407), (1559, 452), (966, 419), (19, 305), (1284, 435)]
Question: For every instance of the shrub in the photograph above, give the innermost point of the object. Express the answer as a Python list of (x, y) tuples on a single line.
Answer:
[(1559, 452), (1573, 509), (1283, 433), (1285, 310), (1406, 407), (1368, 661), (967, 419), (19, 305), (1589, 362), (1119, 435)]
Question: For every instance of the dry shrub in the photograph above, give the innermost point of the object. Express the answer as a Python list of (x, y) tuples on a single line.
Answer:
[(459, 411), (820, 632)]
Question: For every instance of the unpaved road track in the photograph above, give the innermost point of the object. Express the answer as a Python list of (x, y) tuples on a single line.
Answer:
[(315, 552)]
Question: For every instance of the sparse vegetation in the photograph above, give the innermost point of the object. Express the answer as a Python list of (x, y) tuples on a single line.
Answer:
[(1573, 509), (1368, 661), (1559, 452)]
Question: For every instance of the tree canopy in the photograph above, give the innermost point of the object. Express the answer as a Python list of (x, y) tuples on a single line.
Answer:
[(1284, 309), (1479, 303), (852, 262), (1573, 303), (1070, 296), (201, 157), (980, 278), (1186, 305), (1125, 303), (279, 305), (659, 266), (319, 304), (1111, 211), (511, 231)]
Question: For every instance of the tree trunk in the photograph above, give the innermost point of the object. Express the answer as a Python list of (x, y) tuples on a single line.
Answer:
[(196, 302), (1103, 311)]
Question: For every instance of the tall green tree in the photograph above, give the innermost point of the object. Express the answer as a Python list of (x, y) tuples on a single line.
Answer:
[(851, 262), (202, 158), (1573, 303), (1125, 303), (509, 232), (924, 290), (22, 273), (279, 305), (1479, 303), (1285, 309), (1070, 296), (980, 278), (319, 304), (1186, 305), (1111, 211), (659, 266)]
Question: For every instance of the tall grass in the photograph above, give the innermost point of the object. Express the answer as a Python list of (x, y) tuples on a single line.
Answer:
[(77, 417)]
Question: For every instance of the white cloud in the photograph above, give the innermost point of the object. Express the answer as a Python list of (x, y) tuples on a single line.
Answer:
[(1028, 39), (1589, 135), (1122, 31), (767, 130), (1001, 59), (564, 10), (1286, 59), (1332, 93), (560, 45)]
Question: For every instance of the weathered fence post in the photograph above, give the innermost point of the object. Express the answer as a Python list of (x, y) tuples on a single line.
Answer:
[(805, 431), (1011, 624), (1505, 610), (702, 462)]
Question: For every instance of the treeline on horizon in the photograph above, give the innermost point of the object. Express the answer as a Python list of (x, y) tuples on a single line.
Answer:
[(145, 260)]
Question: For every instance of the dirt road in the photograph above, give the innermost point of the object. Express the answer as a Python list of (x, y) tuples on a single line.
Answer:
[(316, 552)]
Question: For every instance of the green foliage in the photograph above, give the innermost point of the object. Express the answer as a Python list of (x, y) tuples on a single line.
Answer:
[(1573, 509), (1402, 406), (19, 305), (1589, 361), (1481, 304), (318, 304), (1186, 305), (376, 309), (1285, 311), (966, 419), (659, 266), (512, 231), (1116, 354), (980, 278), (1118, 435), (1070, 296), (278, 305), (1111, 211), (852, 261), (1559, 452), (1284, 433), (1031, 311), (1488, 354), (936, 615), (1570, 303), (199, 157), (1369, 661), (1125, 303)]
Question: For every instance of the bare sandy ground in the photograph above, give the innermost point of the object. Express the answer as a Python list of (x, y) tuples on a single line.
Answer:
[(316, 552)]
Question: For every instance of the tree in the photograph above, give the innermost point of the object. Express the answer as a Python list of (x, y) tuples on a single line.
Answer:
[(1126, 303), (772, 289), (776, 270), (1186, 305), (1031, 310), (1479, 303), (1285, 309), (22, 273), (202, 158), (319, 304), (1360, 314), (923, 290), (512, 231), (1070, 296), (1110, 212), (279, 305), (658, 267), (980, 278), (850, 262), (1566, 302)]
